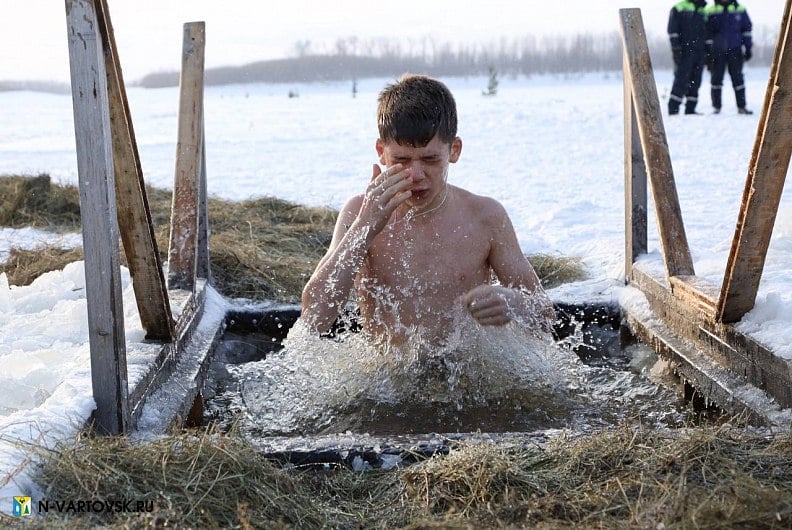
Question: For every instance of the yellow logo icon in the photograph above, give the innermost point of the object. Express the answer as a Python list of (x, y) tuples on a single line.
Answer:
[(21, 506)]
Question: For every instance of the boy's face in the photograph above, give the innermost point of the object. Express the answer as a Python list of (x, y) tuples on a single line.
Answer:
[(427, 165)]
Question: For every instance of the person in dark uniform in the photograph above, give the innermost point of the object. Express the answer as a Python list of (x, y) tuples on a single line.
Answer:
[(729, 45), (687, 32)]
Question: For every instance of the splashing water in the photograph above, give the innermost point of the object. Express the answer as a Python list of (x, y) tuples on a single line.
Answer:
[(476, 378), (481, 378), (488, 379)]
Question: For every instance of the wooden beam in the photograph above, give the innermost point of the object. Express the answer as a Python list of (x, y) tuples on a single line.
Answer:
[(635, 193), (763, 187), (202, 267), (134, 217), (696, 293), (99, 220), (673, 240), (182, 254), (719, 343)]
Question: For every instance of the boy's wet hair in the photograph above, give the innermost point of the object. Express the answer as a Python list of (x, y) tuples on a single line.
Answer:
[(414, 109)]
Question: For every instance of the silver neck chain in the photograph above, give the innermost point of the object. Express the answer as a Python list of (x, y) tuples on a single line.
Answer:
[(409, 216)]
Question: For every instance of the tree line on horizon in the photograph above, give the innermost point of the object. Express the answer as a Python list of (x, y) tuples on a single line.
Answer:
[(352, 58)]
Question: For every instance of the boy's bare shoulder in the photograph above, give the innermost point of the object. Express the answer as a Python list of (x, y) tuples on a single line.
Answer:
[(486, 208), (353, 203), (350, 209)]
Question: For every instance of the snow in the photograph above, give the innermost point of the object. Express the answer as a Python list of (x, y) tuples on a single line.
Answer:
[(30, 238), (549, 148)]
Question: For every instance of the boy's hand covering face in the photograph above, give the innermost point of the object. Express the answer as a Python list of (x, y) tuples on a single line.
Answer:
[(386, 191)]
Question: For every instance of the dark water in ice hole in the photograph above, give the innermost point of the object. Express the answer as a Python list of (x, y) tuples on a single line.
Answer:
[(588, 377)]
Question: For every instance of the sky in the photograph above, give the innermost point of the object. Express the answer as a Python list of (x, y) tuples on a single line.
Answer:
[(149, 32)]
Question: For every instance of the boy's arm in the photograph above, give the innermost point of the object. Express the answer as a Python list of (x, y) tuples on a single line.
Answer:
[(520, 295), (328, 288), (359, 222)]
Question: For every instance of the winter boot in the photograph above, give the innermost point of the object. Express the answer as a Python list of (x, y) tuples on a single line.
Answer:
[(715, 93), (690, 106), (739, 97), (673, 105)]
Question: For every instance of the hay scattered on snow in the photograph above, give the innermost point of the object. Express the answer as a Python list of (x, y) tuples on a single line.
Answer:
[(260, 249), (34, 201), (629, 477), (23, 266), (556, 270), (195, 480), (266, 248)]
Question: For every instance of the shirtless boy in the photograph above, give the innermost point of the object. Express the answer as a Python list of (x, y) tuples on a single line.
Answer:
[(414, 247)]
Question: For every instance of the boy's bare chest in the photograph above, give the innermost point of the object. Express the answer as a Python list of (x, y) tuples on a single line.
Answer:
[(430, 257)]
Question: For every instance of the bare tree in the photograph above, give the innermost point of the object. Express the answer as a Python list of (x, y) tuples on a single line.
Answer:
[(352, 58)]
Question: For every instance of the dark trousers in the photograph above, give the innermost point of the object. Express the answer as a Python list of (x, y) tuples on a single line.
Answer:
[(733, 60), (687, 80)]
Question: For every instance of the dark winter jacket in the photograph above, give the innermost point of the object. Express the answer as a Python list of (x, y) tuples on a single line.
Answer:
[(686, 26), (729, 27)]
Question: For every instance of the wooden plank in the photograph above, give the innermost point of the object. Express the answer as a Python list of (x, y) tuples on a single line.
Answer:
[(134, 217), (171, 390), (763, 187), (99, 220), (182, 254), (202, 266), (744, 357), (164, 367), (716, 384), (673, 240), (635, 193), (697, 293)]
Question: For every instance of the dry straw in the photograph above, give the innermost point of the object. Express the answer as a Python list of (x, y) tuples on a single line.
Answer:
[(195, 480), (632, 476), (261, 249)]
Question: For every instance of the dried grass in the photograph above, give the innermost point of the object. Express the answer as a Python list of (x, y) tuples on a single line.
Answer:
[(266, 248), (36, 202), (195, 480), (629, 477), (632, 477), (556, 270), (261, 249), (23, 266)]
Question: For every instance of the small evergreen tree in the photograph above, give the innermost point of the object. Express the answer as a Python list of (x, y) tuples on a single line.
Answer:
[(492, 85)]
